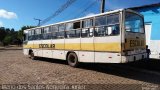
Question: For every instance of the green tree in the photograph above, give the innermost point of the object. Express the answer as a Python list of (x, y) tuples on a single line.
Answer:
[(7, 40), (10, 36), (3, 33)]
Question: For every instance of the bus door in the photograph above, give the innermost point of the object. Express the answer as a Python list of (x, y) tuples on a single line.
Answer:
[(25, 43), (30, 45), (58, 41), (46, 43), (37, 42)]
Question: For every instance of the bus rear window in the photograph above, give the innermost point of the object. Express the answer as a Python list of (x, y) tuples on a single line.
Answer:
[(134, 23)]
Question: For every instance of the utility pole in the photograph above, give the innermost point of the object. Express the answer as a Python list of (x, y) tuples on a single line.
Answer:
[(102, 6), (39, 21)]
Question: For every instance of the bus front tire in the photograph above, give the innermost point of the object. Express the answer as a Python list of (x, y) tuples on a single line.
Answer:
[(72, 60), (32, 56)]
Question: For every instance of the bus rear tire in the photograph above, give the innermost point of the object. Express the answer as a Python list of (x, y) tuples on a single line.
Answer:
[(72, 60)]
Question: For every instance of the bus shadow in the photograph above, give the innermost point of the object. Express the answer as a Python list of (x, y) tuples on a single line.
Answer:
[(136, 70), (147, 71), (152, 64), (1, 50), (57, 61), (11, 49)]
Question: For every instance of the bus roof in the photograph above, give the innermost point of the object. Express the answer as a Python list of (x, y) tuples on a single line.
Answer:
[(109, 12)]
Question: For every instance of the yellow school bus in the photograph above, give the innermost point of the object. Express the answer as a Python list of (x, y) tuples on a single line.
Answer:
[(112, 37)]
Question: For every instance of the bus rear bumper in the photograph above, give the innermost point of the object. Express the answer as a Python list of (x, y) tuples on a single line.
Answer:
[(132, 58)]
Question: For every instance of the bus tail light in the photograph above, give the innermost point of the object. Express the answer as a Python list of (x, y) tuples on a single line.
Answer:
[(118, 55), (125, 53), (125, 40)]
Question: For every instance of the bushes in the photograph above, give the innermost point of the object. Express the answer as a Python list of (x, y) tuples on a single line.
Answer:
[(10, 36), (7, 40)]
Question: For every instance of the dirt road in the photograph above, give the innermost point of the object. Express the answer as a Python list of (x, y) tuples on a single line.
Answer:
[(15, 68)]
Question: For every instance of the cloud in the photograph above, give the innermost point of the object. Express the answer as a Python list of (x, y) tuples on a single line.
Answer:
[(7, 15), (1, 24), (90, 14)]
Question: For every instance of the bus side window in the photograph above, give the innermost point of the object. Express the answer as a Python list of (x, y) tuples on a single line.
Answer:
[(87, 28), (29, 35), (100, 26), (25, 37), (113, 30), (107, 25), (101, 31), (113, 24), (34, 35), (41, 33), (109, 30), (73, 30), (54, 30), (73, 33), (37, 34), (47, 33), (61, 33), (100, 21), (85, 33)]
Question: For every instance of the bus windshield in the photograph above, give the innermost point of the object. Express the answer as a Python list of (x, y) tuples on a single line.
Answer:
[(134, 23)]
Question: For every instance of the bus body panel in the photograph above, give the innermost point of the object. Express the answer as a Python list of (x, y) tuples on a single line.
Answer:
[(37, 51), (47, 51), (106, 57), (58, 49), (72, 44), (86, 56), (27, 45), (132, 58), (107, 49), (86, 53)]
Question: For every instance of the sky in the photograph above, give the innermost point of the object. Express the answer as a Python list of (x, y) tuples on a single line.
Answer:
[(18, 13)]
